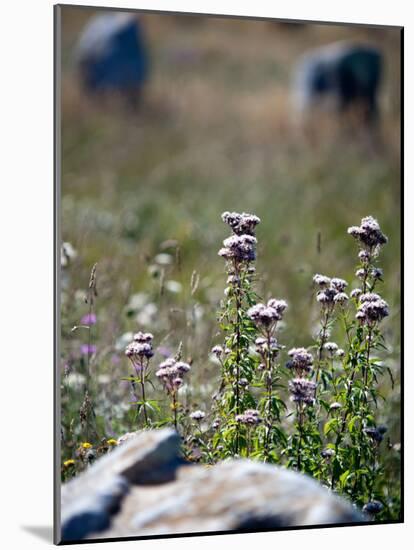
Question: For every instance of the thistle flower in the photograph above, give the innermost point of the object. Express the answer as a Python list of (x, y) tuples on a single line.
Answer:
[(88, 319), (241, 223), (372, 309), (302, 390), (250, 417), (331, 347), (240, 247), (321, 280), (217, 351), (377, 273), (326, 296), (328, 453), (170, 372), (356, 293), (364, 256), (88, 349), (136, 351), (338, 284), (267, 315), (341, 298), (197, 415), (369, 233), (301, 360), (143, 337)]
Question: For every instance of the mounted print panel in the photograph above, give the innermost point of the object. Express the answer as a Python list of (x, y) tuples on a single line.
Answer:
[(228, 289)]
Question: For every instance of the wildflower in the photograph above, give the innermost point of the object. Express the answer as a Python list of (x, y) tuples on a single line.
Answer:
[(139, 350), (88, 349), (340, 353), (68, 463), (250, 417), (217, 351), (215, 424), (170, 372), (177, 382), (372, 309), (143, 337), (331, 347), (86, 445), (373, 507), (369, 233), (301, 360), (239, 247), (356, 293), (243, 382), (360, 273), (267, 315), (89, 319), (241, 223), (364, 256), (328, 453), (341, 298), (335, 406), (377, 273), (112, 442), (321, 280), (338, 284), (326, 296), (302, 390), (197, 415)]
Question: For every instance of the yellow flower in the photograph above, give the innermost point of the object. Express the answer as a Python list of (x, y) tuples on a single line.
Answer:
[(86, 445), (112, 442), (68, 463)]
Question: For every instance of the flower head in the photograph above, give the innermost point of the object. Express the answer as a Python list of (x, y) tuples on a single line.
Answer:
[(302, 390), (331, 347), (301, 360), (197, 415), (321, 280), (369, 233), (267, 315), (171, 373), (250, 417), (241, 223), (372, 309)]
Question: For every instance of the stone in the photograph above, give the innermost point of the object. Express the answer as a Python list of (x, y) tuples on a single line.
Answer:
[(144, 488), (88, 501)]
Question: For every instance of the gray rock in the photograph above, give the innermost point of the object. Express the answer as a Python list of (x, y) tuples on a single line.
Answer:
[(89, 500), (232, 495), (143, 488)]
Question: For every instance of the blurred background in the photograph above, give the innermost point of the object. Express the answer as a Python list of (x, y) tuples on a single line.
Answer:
[(209, 123)]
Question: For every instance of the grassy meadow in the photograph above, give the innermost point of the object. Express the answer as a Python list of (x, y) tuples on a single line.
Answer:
[(142, 193)]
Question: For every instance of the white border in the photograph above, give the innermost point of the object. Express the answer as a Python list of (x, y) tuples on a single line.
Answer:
[(26, 266)]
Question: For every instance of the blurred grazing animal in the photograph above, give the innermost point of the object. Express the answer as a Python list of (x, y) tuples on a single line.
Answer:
[(112, 57), (344, 74)]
